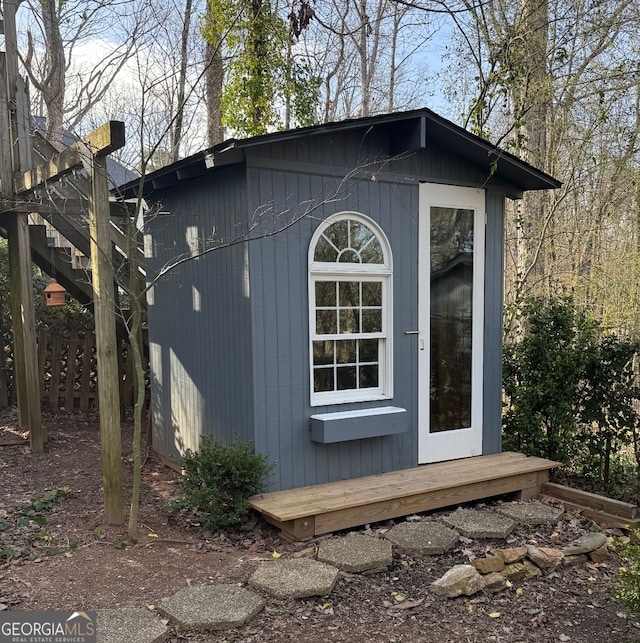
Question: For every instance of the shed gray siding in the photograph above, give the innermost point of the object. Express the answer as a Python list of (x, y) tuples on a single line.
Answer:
[(388, 193), (493, 298), (234, 359), (199, 318)]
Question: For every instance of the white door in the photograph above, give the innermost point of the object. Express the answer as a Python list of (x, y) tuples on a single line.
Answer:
[(450, 314)]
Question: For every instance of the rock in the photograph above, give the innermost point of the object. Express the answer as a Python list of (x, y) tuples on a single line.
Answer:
[(512, 554), (494, 583), (599, 555), (460, 579), (585, 544), (531, 570), (515, 572), (546, 558), (580, 559), (488, 564)]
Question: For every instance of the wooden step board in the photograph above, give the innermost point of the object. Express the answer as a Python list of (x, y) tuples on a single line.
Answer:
[(604, 511), (306, 512)]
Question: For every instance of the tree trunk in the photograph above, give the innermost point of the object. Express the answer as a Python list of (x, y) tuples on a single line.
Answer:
[(176, 130), (53, 87), (213, 84), (531, 100)]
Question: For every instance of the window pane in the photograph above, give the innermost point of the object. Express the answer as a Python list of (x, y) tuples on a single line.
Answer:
[(323, 379), (371, 293), (369, 376), (338, 234), (323, 352), (372, 321), (451, 318), (360, 234), (349, 256), (368, 350), (346, 377), (346, 351), (372, 253), (325, 251), (325, 293), (349, 293), (349, 320), (326, 322)]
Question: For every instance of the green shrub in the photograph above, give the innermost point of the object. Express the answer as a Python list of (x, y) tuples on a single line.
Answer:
[(570, 391), (627, 586), (218, 480)]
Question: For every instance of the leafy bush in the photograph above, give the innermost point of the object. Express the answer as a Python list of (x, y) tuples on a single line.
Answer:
[(570, 391), (218, 480), (542, 375), (627, 586)]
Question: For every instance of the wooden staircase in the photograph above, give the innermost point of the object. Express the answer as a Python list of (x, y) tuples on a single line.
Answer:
[(65, 207), (306, 512)]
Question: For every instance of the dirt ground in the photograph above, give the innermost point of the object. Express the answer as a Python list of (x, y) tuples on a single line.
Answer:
[(64, 556)]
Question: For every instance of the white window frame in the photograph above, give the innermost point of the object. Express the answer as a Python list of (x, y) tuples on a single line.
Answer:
[(360, 272)]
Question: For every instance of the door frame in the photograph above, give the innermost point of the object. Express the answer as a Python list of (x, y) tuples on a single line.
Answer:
[(464, 442)]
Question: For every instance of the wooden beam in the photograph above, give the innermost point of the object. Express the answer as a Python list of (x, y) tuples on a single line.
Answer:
[(99, 143), (102, 275), (24, 330), (6, 187), (103, 140)]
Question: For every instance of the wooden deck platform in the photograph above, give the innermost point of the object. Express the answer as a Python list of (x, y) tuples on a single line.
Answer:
[(306, 512)]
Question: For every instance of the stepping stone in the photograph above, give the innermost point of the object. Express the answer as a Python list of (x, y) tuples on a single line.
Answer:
[(356, 553), (425, 537), (531, 513), (212, 607), (125, 625), (480, 524), (294, 578)]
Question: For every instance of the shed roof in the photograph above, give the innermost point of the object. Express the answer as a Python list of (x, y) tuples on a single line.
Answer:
[(412, 130)]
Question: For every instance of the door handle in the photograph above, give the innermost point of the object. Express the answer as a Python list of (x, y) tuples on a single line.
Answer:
[(421, 344), (411, 332)]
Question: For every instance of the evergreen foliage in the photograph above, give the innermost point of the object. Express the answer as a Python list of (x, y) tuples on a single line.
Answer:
[(219, 479), (570, 390)]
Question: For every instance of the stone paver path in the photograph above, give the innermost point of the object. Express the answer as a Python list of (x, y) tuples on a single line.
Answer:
[(219, 607)]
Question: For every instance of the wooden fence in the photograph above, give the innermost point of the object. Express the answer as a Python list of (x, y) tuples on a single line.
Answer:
[(68, 372)]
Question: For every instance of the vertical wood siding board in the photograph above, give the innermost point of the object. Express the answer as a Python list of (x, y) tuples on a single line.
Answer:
[(243, 377), (264, 331), (412, 272), (285, 305), (296, 272), (278, 424), (492, 433)]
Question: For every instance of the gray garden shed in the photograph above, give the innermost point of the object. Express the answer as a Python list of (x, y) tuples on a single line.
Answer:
[(349, 319)]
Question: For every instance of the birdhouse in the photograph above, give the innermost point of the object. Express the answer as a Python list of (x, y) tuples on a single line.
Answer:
[(54, 294)]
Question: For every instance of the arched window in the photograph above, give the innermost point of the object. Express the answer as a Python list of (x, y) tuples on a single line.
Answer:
[(350, 311)]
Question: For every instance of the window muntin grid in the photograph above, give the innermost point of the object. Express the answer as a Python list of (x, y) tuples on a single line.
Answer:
[(350, 299)]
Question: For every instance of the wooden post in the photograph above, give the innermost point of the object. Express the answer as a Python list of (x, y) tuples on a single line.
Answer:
[(12, 163), (99, 143), (24, 330)]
